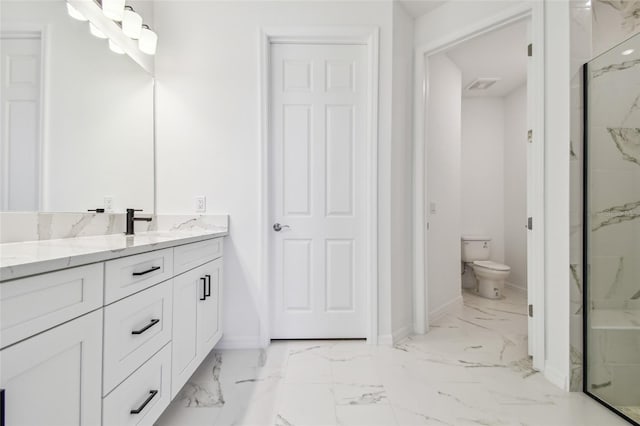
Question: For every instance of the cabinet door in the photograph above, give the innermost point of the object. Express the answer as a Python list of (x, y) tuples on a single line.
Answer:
[(187, 290), (54, 378), (209, 331)]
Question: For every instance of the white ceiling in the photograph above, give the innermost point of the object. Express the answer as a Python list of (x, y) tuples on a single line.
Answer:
[(501, 53), (418, 8)]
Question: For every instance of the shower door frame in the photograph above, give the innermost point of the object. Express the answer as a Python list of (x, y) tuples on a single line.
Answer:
[(585, 247)]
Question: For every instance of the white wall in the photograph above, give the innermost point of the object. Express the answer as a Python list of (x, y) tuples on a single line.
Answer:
[(515, 185), (443, 144), (98, 115), (402, 179), (208, 144), (447, 22), (557, 151), (483, 128)]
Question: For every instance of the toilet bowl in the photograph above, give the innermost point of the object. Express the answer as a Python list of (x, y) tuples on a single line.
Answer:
[(484, 277), (490, 278)]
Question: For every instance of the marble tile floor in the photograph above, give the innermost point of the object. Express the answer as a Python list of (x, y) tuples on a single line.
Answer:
[(470, 369)]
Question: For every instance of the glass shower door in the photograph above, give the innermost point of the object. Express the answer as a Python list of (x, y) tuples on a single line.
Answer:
[(612, 230)]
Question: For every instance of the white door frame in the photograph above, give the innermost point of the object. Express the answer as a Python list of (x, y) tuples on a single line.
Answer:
[(535, 11), (30, 30), (368, 36)]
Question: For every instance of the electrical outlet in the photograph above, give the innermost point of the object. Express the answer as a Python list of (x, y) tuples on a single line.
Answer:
[(201, 204), (108, 204)]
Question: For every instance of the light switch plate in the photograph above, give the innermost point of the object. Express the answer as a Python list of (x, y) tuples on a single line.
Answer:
[(201, 204), (432, 207)]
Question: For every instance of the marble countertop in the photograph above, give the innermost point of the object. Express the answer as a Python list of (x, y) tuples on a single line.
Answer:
[(35, 257)]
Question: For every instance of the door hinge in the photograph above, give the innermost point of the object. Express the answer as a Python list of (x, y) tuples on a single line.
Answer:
[(530, 223), (530, 136), (530, 50), (531, 311)]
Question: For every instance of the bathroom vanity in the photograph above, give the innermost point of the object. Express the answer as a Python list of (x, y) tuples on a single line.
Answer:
[(106, 329)]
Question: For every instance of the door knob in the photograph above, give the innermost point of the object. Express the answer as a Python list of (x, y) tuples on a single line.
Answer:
[(277, 227)]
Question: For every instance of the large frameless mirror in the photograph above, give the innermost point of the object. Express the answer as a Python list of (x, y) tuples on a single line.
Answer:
[(77, 117), (612, 230)]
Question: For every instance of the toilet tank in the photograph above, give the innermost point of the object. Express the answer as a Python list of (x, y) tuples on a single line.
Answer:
[(475, 247)]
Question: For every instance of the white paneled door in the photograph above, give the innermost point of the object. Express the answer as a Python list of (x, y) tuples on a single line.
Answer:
[(316, 196), (20, 112)]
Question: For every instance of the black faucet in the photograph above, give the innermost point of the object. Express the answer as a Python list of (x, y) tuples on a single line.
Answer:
[(131, 220)]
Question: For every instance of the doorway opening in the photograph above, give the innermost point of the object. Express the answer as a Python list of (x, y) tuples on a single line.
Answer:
[(479, 176)]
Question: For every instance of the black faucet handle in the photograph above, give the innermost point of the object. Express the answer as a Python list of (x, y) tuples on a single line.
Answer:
[(96, 210)]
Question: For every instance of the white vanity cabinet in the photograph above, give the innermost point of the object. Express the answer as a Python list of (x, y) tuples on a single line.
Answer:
[(54, 378), (109, 343)]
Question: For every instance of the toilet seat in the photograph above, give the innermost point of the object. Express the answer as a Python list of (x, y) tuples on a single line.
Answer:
[(494, 266)]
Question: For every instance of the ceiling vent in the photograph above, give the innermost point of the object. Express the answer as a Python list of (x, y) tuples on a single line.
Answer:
[(482, 83)]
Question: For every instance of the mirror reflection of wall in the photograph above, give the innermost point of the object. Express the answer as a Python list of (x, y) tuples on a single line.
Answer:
[(77, 118)]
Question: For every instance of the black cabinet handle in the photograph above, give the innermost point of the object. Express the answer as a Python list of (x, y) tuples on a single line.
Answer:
[(2, 407), (152, 394), (153, 268), (146, 327), (208, 293), (204, 288)]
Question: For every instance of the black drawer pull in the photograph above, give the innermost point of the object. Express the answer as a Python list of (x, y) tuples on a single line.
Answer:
[(146, 327), (208, 286), (153, 268), (152, 393), (204, 288)]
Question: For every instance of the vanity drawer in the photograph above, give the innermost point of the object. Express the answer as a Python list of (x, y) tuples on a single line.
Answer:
[(189, 256), (134, 329), (34, 304), (146, 391), (131, 274)]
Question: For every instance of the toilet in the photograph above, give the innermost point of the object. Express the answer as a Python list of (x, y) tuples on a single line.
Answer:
[(481, 275)]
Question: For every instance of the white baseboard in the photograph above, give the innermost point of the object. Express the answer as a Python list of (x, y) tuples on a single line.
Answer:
[(556, 377), (239, 342), (400, 334), (445, 309), (385, 340), (515, 287)]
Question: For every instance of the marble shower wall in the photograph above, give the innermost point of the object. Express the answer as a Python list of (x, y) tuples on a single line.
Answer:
[(581, 33), (34, 226), (595, 27)]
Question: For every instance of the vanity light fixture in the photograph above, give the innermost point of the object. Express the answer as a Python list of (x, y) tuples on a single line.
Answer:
[(75, 14), (627, 52), (131, 23), (115, 48), (96, 31), (113, 9), (148, 42)]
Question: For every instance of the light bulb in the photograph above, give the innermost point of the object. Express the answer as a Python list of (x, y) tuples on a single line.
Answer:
[(628, 52), (131, 23), (148, 42), (96, 31), (74, 13), (115, 48), (113, 9)]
